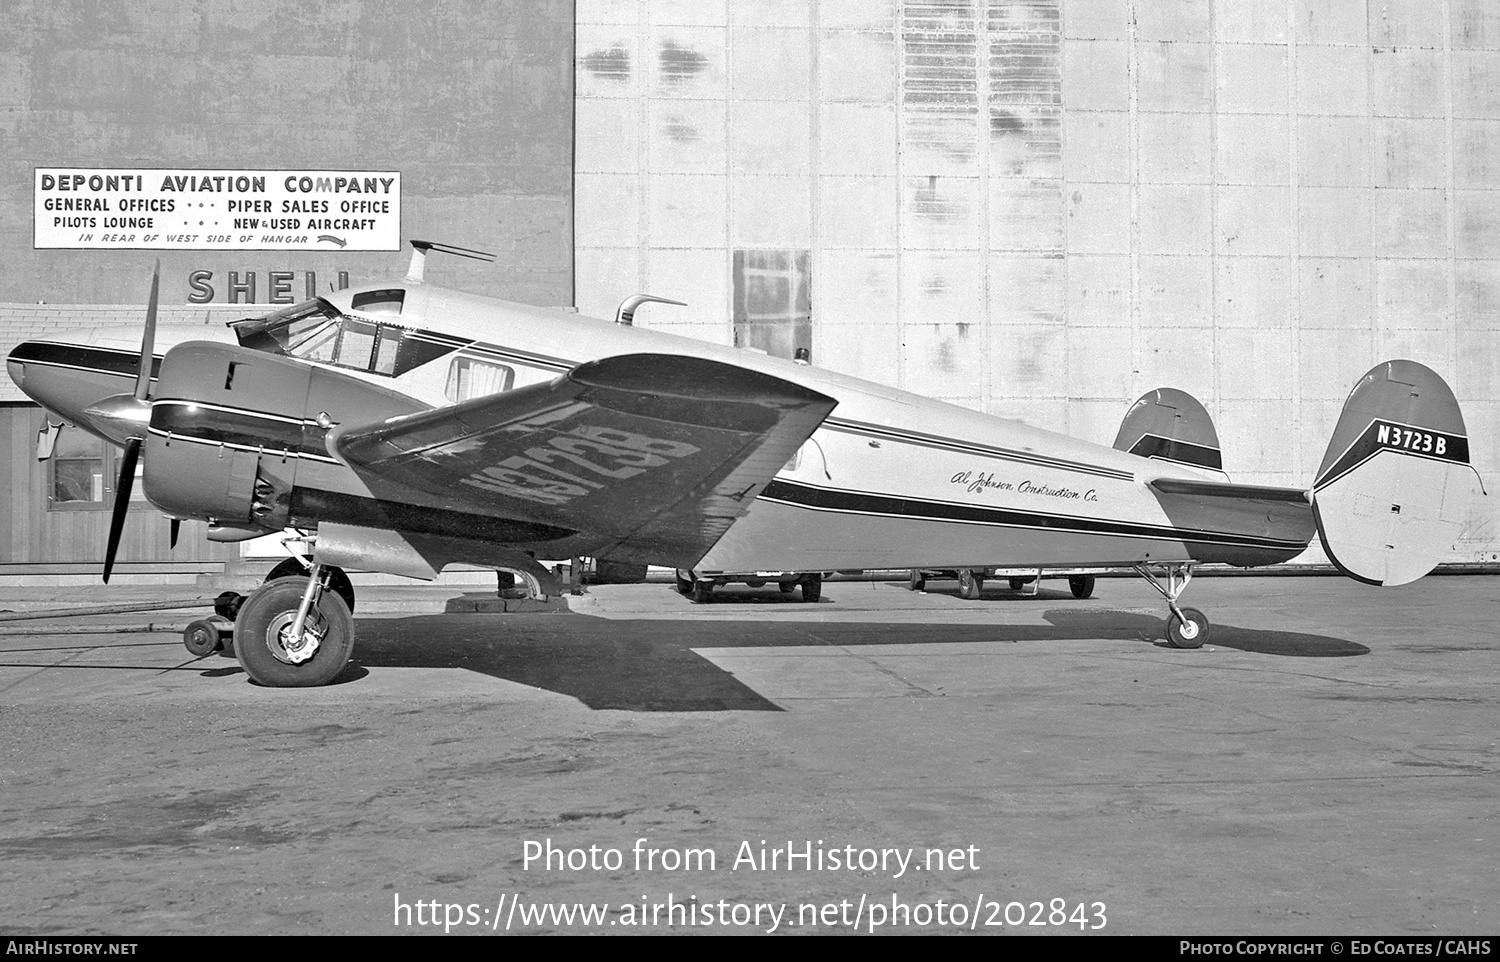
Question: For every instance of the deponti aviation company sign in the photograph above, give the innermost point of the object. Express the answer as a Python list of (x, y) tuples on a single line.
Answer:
[(127, 208)]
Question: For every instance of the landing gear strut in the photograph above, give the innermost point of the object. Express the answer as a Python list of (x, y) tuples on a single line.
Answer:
[(294, 632), (1187, 627)]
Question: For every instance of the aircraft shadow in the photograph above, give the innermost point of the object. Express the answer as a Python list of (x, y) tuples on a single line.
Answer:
[(651, 665), (1290, 644)]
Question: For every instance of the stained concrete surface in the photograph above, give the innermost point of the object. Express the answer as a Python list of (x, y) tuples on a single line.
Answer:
[(1327, 764)]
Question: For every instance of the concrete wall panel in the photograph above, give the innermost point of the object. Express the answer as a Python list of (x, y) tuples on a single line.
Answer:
[(854, 288), (1253, 292), (1175, 148), (1177, 291), (770, 137), (856, 65), (1332, 22), (1333, 152), (1329, 363), (1172, 20), (1175, 219), (770, 63), (1175, 77)]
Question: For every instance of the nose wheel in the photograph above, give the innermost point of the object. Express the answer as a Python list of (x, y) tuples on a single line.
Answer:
[(1186, 627)]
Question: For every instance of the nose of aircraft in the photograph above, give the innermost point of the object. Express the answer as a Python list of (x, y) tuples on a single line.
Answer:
[(69, 378)]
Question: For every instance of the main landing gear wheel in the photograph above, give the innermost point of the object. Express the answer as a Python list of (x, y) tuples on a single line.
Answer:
[(337, 580), (812, 587), (970, 584), (1190, 633), (1082, 585), (1186, 627), (1016, 584), (786, 587), (274, 654), (918, 580), (701, 592)]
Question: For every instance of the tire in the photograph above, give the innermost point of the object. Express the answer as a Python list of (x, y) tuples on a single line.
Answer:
[(1082, 585), (337, 580), (1191, 635), (684, 582), (918, 580), (812, 588), (1016, 584), (701, 592), (970, 584), (201, 638), (268, 613), (786, 587)]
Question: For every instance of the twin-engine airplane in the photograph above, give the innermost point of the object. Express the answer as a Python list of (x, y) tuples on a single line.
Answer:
[(402, 427)]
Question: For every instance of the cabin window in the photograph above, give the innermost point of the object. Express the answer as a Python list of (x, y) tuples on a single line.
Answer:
[(471, 378), (379, 303)]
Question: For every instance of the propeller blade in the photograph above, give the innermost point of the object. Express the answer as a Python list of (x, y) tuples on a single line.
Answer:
[(175, 528), (148, 337), (122, 502)]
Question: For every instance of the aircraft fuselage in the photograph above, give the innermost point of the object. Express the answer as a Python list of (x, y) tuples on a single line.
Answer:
[(890, 479)]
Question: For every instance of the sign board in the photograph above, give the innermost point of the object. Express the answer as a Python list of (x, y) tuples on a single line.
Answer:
[(129, 208)]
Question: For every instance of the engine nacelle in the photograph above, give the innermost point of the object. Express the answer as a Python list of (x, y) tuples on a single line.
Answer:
[(233, 432)]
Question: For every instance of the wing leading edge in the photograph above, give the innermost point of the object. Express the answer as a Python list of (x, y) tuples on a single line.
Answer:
[(645, 457)]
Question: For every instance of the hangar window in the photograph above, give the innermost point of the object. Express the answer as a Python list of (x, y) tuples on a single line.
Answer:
[(772, 302), (471, 378), (78, 470)]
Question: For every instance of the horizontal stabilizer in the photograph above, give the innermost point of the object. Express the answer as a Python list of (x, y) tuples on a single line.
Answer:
[(1235, 492), (1392, 494)]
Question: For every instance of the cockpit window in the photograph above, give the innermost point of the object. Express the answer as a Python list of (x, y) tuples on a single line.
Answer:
[(316, 331)]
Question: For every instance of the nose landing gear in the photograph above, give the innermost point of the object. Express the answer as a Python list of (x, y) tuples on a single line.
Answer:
[(1186, 627)]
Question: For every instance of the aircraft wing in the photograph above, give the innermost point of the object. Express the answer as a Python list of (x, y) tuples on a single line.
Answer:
[(648, 457)]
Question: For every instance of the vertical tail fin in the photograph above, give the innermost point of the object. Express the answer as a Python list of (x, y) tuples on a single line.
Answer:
[(1392, 495), (1171, 425)]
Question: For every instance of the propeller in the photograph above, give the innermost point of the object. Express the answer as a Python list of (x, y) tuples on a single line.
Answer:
[(133, 443)]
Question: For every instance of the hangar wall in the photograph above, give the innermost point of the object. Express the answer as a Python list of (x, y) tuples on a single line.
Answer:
[(1044, 208), (471, 102)]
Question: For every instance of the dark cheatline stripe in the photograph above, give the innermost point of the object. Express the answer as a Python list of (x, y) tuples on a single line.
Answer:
[(972, 447), (1183, 452), (857, 502), (1382, 435), (240, 428), (526, 358), (99, 360)]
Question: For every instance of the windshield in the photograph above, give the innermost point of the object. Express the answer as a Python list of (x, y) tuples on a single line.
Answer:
[(291, 330)]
